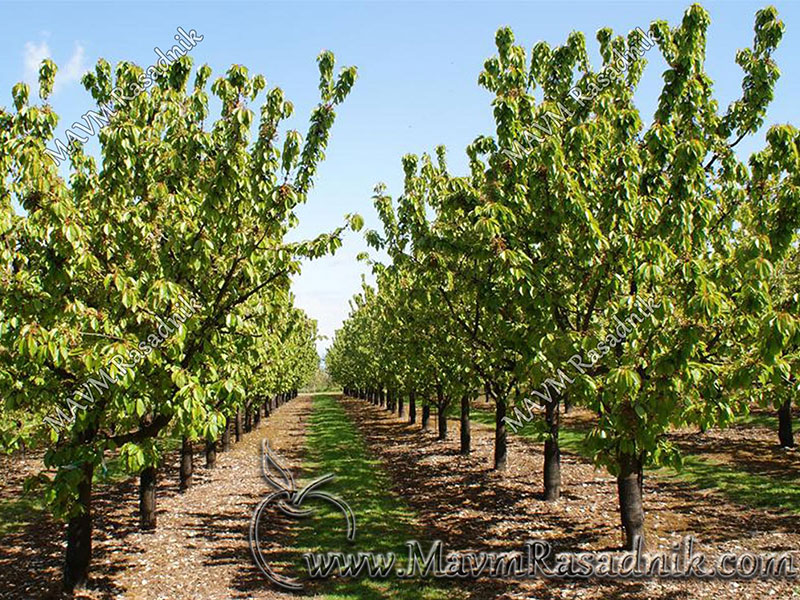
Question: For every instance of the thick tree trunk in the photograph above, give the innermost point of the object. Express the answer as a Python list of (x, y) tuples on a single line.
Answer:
[(629, 489), (381, 398), (147, 498), (465, 432), (400, 404), (426, 415), (257, 415), (211, 454), (785, 434), (248, 420), (412, 406), (552, 455), (500, 436), (226, 435), (238, 430), (187, 465), (79, 536)]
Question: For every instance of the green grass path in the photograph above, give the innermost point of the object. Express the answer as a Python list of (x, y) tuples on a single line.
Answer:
[(384, 521)]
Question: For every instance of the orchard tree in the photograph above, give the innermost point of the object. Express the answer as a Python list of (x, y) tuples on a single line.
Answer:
[(606, 215), (175, 215)]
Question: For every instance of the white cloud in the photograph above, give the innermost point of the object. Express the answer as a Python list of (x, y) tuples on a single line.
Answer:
[(33, 56), (68, 73), (74, 69)]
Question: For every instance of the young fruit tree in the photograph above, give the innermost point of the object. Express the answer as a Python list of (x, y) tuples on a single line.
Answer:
[(135, 292)]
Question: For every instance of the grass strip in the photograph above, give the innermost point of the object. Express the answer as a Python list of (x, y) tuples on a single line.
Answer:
[(384, 521)]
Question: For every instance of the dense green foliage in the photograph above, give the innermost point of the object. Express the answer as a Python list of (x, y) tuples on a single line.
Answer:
[(177, 217), (522, 272)]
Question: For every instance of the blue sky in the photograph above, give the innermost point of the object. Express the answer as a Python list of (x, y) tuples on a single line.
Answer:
[(418, 65)]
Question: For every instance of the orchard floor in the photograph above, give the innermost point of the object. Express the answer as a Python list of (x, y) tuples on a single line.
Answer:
[(413, 485), (200, 547), (472, 507)]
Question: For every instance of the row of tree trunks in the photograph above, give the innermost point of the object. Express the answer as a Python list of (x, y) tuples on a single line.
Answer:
[(631, 472), (79, 528), (148, 478)]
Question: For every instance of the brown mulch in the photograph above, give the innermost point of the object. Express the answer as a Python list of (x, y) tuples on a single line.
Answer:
[(200, 548), (464, 502), (750, 447)]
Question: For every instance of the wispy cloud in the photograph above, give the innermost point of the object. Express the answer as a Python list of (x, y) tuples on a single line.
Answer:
[(33, 56), (69, 73)]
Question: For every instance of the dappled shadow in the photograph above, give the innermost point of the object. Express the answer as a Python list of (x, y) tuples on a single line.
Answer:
[(462, 501)]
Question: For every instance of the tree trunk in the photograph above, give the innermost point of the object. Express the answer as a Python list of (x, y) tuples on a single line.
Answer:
[(400, 404), (211, 454), (79, 536), (629, 489), (147, 498), (567, 406), (552, 455), (785, 435), (381, 398), (257, 415), (465, 433), (500, 437), (238, 430), (248, 420), (426, 415), (226, 435), (441, 412), (412, 406), (187, 465)]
